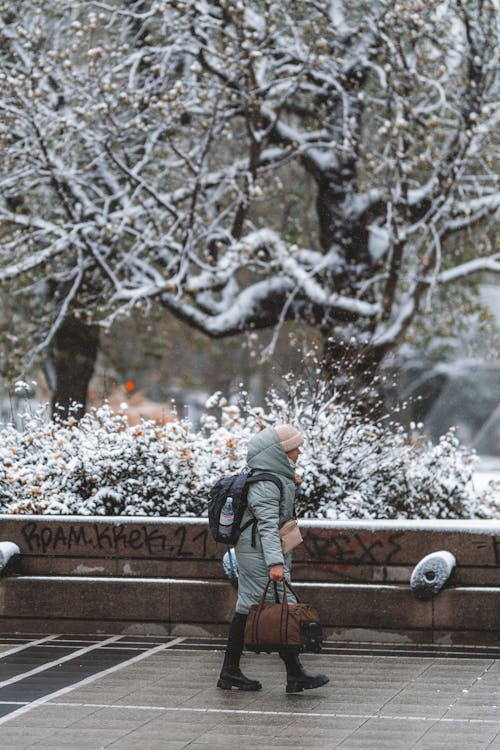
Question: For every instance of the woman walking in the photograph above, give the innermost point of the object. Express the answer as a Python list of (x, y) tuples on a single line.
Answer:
[(260, 559)]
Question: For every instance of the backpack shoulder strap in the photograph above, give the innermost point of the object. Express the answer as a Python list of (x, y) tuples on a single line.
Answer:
[(240, 481)]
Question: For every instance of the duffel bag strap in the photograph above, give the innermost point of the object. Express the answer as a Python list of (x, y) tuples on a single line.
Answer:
[(287, 584), (262, 600), (276, 595), (284, 618)]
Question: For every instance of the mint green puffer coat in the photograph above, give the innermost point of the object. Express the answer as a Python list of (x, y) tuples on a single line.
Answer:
[(265, 454)]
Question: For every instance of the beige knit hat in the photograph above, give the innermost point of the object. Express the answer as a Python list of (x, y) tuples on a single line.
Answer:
[(289, 437)]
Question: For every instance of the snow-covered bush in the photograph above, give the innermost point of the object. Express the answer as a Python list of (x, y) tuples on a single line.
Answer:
[(352, 467), (101, 465)]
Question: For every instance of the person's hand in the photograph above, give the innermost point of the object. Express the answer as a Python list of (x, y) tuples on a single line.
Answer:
[(276, 573), (298, 480)]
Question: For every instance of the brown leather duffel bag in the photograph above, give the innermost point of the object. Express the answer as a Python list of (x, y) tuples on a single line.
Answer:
[(271, 627)]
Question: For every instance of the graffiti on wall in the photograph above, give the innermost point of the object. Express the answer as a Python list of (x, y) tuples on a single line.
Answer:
[(353, 548), (332, 548), (189, 541), (116, 539)]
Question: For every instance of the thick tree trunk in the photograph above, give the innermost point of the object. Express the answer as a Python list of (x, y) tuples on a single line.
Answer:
[(341, 224), (73, 356)]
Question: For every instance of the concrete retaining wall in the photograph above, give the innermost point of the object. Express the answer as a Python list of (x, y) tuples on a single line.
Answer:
[(144, 575)]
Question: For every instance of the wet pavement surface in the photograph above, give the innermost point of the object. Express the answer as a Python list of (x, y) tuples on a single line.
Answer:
[(122, 692)]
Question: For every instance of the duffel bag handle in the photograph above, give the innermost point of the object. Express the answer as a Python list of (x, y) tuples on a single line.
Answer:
[(286, 585)]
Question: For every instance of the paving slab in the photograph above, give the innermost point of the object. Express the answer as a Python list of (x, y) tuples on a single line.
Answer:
[(120, 692)]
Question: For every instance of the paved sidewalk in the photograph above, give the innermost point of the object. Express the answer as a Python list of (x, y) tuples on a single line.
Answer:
[(152, 693)]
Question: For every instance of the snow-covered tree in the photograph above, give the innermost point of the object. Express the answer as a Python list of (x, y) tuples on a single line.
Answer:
[(169, 150)]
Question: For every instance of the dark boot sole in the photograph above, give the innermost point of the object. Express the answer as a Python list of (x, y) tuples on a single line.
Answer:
[(297, 686), (229, 684)]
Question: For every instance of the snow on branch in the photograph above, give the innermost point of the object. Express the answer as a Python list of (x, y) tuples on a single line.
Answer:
[(490, 264), (304, 279), (33, 261), (242, 312)]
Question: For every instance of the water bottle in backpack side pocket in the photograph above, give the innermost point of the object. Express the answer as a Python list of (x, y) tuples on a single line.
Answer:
[(226, 518)]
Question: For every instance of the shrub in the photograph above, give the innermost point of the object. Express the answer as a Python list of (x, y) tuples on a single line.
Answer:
[(352, 466)]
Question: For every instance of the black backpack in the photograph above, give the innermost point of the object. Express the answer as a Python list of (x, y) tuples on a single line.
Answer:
[(235, 487)]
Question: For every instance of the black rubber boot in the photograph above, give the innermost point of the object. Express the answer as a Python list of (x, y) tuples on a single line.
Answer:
[(231, 675), (297, 679)]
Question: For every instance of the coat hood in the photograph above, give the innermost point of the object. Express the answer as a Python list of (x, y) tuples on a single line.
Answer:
[(266, 453)]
